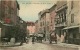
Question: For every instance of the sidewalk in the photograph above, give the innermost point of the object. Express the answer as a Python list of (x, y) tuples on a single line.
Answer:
[(8, 45), (68, 45), (64, 45)]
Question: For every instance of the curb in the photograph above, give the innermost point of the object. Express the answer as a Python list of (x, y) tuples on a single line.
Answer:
[(8, 45)]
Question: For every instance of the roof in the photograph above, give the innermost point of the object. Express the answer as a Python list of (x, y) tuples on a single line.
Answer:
[(53, 7), (44, 11)]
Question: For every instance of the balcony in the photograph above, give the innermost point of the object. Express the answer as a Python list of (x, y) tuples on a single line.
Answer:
[(61, 24)]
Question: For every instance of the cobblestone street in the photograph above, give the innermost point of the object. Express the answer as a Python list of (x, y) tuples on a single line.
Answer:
[(38, 46)]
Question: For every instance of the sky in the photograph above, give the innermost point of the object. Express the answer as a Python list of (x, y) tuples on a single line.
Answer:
[(29, 9)]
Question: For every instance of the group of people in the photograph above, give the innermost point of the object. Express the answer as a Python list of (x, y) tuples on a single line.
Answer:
[(33, 39), (37, 38), (40, 37)]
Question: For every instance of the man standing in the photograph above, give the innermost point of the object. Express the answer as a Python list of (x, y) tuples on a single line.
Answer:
[(23, 37), (33, 39)]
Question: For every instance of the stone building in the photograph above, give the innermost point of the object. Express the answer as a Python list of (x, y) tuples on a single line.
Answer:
[(52, 18), (8, 17), (37, 26), (73, 22), (60, 19), (44, 22), (31, 28)]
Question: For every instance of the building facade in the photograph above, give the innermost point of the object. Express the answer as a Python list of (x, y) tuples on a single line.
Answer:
[(37, 26), (44, 23), (60, 19), (52, 18), (8, 17), (31, 28), (73, 22)]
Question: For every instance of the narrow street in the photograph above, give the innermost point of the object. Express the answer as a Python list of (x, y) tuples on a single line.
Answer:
[(41, 22), (38, 46)]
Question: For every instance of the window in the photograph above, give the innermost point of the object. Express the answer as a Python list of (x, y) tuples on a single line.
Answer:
[(55, 21), (40, 23), (4, 2), (71, 4), (60, 18), (43, 22), (65, 15), (6, 9), (9, 11), (51, 19), (47, 28), (58, 21), (72, 18), (47, 22), (12, 12)]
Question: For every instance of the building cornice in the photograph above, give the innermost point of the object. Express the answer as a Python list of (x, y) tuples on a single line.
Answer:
[(53, 7), (18, 5), (44, 12), (61, 8)]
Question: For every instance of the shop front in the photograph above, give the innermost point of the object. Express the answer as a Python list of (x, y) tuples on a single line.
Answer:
[(59, 33), (7, 32), (73, 35)]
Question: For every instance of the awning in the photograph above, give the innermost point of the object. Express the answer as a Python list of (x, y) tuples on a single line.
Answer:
[(7, 25), (71, 27)]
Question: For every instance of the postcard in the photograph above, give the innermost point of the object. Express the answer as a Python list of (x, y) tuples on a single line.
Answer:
[(39, 25)]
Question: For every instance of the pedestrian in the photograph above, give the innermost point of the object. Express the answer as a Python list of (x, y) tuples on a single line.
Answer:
[(23, 37), (27, 39), (33, 39), (51, 37)]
